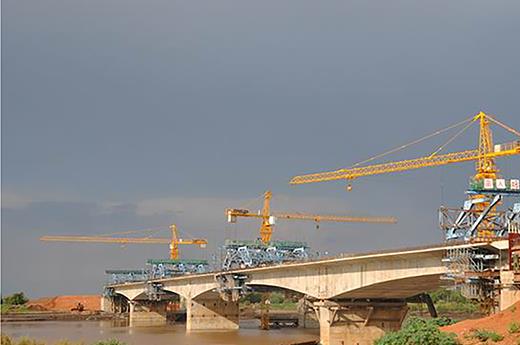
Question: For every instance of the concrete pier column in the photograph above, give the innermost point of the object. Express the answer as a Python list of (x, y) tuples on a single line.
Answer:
[(107, 304), (210, 312), (147, 313), (306, 314), (510, 292), (357, 323)]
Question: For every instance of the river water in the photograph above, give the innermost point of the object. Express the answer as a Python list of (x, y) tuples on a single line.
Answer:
[(91, 331)]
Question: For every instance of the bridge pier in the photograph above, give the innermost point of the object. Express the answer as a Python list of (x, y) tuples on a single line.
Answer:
[(210, 312), (510, 292), (147, 313), (116, 304), (357, 323)]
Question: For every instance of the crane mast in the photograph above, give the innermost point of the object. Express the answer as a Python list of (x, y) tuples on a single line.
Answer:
[(486, 167)]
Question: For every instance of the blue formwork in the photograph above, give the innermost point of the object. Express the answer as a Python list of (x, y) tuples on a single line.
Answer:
[(126, 276), (163, 268), (253, 253)]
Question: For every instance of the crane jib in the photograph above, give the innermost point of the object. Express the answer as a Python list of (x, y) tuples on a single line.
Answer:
[(507, 149)]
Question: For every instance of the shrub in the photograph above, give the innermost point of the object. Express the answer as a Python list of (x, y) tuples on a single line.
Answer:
[(6, 340), (29, 341), (418, 331), (277, 298), (15, 299), (109, 342), (445, 295), (442, 321), (485, 335), (253, 297), (513, 327)]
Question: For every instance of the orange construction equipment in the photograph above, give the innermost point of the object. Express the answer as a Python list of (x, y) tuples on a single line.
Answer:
[(484, 154), (268, 218), (174, 241)]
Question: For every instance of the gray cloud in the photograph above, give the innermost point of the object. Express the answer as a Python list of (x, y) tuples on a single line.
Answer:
[(123, 114), (49, 268)]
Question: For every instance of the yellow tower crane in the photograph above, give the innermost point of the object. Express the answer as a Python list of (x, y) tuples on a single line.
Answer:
[(484, 154), (174, 241), (268, 218)]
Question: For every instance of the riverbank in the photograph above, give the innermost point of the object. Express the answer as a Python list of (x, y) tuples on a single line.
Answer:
[(504, 325), (66, 303), (56, 316)]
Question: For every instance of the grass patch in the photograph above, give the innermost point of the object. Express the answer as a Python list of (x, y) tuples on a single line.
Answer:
[(513, 327), (485, 335), (448, 301), (6, 340), (13, 308), (109, 342)]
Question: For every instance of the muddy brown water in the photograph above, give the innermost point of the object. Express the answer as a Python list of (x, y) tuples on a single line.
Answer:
[(92, 331)]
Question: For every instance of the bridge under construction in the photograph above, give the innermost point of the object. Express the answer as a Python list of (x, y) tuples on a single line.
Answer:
[(354, 298)]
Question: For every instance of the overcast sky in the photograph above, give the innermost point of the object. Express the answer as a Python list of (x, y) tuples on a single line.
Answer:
[(125, 114)]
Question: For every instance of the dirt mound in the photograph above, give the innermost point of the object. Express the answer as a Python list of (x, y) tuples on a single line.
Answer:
[(66, 303), (36, 307), (498, 323)]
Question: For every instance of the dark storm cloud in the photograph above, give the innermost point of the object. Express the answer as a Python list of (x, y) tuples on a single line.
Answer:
[(130, 114)]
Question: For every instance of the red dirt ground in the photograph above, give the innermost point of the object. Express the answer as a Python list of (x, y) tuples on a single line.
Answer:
[(66, 303), (497, 323)]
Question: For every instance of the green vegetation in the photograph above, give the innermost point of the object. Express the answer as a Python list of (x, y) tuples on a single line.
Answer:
[(28, 341), (14, 303), (485, 335), (278, 300), (6, 340), (109, 342), (8, 308), (284, 306), (513, 327), (417, 331), (250, 298), (15, 299), (448, 301)]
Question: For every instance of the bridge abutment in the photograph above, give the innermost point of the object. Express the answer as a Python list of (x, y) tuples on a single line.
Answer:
[(357, 323), (210, 312)]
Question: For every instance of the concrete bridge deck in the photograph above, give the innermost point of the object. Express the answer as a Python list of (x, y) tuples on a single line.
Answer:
[(357, 297)]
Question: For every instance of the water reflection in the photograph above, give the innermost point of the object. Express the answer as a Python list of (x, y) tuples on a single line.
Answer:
[(91, 331)]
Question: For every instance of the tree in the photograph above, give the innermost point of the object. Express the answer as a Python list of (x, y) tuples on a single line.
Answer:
[(15, 299), (253, 297)]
